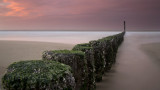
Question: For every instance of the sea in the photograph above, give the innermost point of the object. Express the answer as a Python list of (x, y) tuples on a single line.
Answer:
[(67, 37)]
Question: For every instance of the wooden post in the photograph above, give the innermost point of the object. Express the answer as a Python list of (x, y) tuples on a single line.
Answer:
[(124, 26)]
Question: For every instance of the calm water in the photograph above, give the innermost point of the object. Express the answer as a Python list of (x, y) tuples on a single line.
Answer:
[(68, 37), (134, 69)]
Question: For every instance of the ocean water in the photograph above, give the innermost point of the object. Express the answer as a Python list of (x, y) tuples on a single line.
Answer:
[(67, 37)]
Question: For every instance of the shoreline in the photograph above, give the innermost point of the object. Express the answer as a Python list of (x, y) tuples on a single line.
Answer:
[(35, 42)]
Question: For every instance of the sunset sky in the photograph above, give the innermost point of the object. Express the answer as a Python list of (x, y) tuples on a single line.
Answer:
[(79, 14)]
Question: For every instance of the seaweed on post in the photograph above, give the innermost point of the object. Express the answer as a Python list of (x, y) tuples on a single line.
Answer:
[(76, 60), (99, 61), (38, 75), (89, 56)]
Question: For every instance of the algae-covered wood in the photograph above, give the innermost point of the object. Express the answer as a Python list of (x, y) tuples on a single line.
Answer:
[(38, 75)]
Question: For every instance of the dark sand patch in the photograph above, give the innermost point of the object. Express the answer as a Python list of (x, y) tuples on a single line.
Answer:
[(152, 50)]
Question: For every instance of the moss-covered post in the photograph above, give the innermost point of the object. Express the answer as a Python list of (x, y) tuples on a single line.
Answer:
[(90, 63), (76, 60), (38, 75), (107, 51), (115, 48), (99, 61), (108, 55)]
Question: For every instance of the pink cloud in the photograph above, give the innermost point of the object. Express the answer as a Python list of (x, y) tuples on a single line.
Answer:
[(53, 7)]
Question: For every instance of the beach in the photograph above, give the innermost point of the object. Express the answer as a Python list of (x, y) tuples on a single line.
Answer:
[(137, 66), (28, 45)]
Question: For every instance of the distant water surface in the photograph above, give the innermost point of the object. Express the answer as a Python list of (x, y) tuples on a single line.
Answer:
[(67, 37)]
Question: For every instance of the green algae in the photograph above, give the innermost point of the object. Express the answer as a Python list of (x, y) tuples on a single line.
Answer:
[(68, 52), (35, 75)]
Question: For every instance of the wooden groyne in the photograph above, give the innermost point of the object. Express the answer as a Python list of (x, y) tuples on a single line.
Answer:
[(76, 69)]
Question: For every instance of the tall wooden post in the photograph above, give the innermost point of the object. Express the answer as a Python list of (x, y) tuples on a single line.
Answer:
[(124, 26)]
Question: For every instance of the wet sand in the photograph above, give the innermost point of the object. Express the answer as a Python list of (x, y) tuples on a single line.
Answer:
[(13, 51), (137, 66), (152, 50)]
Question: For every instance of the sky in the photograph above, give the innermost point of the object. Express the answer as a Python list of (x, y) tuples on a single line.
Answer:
[(79, 14)]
